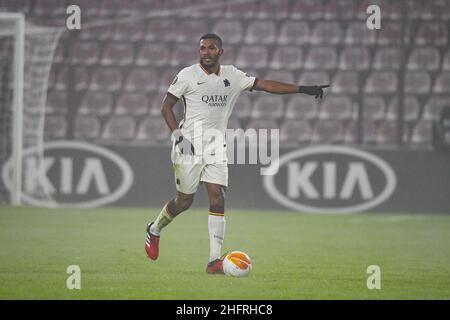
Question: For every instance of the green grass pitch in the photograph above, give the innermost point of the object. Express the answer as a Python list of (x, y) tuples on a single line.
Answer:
[(295, 256)]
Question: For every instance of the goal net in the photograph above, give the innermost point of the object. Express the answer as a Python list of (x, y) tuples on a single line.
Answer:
[(26, 54)]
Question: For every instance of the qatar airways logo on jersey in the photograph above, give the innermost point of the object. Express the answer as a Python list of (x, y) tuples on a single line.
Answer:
[(215, 100)]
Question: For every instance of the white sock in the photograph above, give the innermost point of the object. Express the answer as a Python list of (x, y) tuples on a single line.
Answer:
[(161, 221), (216, 228)]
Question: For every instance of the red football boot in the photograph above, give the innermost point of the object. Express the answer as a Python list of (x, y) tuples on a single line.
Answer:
[(152, 244), (215, 267)]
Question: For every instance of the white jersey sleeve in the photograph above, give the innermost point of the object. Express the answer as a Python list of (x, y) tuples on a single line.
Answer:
[(181, 84), (246, 82)]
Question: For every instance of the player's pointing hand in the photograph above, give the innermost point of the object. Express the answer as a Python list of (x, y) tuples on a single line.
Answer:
[(184, 145), (316, 91)]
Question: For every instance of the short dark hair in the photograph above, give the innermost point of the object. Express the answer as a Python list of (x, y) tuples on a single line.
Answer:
[(214, 37)]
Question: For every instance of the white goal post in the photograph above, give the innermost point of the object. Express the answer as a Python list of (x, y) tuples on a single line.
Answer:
[(26, 57), (18, 22)]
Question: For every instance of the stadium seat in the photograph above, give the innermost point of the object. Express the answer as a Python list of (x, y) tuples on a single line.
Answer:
[(411, 109), (182, 6), (268, 107), (130, 31), (446, 62), (362, 5), (328, 131), (387, 59), (387, 133), (433, 33), (261, 32), (358, 33), (301, 107), (190, 31), (59, 55), (350, 135), (280, 75), (55, 126), (243, 107), (153, 130), (391, 34), (290, 58), (106, 79), (382, 82), (252, 57), (142, 80), (49, 8), (184, 55), (373, 107), (89, 9), (243, 10), (56, 102), (417, 82), (23, 6), (313, 78), (345, 82), (427, 58), (414, 9), (149, 5), (87, 127), (228, 56), (433, 107), (306, 9), (340, 10), (354, 59), (369, 132), (153, 54), (295, 132), (321, 58), (422, 133), (294, 33), (337, 107), (100, 32), (119, 129), (98, 103), (442, 83), (326, 33), (155, 104), (117, 54), (234, 123), (132, 103), (61, 78), (231, 30), (115, 8), (160, 30), (435, 10), (262, 124), (85, 53), (273, 10), (166, 79)]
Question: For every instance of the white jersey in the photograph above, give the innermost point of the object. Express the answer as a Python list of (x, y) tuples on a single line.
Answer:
[(208, 99)]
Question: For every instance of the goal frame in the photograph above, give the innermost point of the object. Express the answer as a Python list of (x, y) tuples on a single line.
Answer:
[(17, 104)]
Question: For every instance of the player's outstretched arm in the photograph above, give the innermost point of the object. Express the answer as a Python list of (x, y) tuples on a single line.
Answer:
[(285, 88)]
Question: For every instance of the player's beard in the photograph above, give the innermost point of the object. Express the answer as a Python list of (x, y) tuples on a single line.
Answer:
[(214, 61)]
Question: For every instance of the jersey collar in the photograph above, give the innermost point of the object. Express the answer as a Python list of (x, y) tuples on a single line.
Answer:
[(206, 71)]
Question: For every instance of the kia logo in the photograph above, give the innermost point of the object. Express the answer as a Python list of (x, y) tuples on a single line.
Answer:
[(330, 179), (71, 174)]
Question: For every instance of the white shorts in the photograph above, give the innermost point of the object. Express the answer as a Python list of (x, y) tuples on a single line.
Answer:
[(189, 173)]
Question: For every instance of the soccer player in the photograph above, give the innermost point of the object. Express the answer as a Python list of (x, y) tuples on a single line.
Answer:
[(208, 92)]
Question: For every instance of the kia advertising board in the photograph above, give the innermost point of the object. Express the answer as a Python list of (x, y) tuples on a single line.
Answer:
[(313, 179)]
